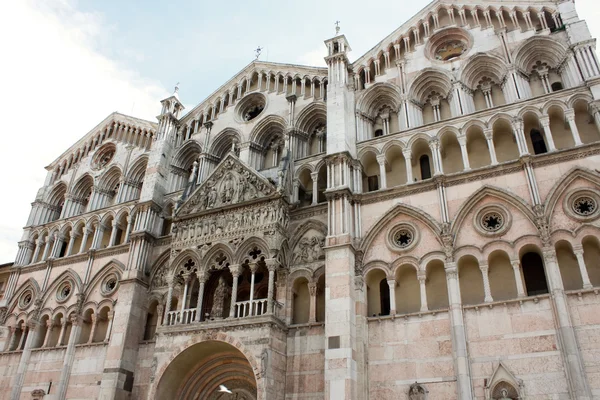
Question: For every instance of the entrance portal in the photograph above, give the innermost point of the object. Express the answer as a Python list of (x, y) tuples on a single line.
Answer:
[(200, 370)]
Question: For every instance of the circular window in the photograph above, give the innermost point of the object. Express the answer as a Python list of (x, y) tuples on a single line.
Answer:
[(64, 291), (403, 237), (103, 156), (250, 107), (26, 299), (493, 220), (109, 284), (582, 204), (448, 44)]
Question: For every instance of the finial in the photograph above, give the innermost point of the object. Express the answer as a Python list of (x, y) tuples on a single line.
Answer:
[(337, 27), (176, 91), (258, 51)]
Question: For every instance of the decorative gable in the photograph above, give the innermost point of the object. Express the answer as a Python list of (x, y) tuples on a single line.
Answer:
[(232, 182)]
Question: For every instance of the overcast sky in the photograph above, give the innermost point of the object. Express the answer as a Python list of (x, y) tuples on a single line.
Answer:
[(67, 64)]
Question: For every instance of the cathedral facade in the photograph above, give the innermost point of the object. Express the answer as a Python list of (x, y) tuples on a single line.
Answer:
[(420, 223)]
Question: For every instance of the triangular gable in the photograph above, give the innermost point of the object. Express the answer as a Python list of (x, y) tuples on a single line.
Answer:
[(113, 117), (432, 7), (231, 183)]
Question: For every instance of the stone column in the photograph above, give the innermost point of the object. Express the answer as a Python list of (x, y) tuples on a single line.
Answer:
[(63, 383), (578, 250), (17, 383), (11, 341), (545, 121), (272, 265), (462, 140), (86, 233), (516, 264), (572, 358), (63, 329), (486, 282), (489, 137), (169, 297), (253, 268), (94, 318), (235, 272), (49, 327), (37, 250), (315, 187), (381, 160), (422, 277), (392, 288), (312, 308), (407, 160), (186, 286), (459, 338), (49, 242), (72, 237), (110, 317), (570, 115), (437, 159), (113, 233)]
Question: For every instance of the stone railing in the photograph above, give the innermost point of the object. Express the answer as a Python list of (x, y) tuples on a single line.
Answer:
[(243, 309)]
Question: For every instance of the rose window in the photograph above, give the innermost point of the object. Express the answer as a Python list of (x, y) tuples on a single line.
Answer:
[(26, 299), (403, 238), (584, 206), (109, 285), (103, 157), (492, 221), (64, 291)]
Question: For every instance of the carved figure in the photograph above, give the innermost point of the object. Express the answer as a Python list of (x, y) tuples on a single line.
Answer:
[(227, 190), (212, 197), (309, 249), (219, 299), (416, 392), (504, 394), (264, 361)]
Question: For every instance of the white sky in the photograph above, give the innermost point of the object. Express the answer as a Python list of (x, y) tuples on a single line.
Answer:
[(56, 85)]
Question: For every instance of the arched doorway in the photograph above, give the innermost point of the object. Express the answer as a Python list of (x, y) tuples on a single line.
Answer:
[(197, 373)]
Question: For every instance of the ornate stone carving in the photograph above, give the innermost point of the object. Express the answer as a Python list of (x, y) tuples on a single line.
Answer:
[(417, 392), (231, 183), (3, 314), (230, 224), (309, 249), (221, 292)]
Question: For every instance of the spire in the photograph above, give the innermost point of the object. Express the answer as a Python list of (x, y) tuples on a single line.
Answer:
[(176, 91)]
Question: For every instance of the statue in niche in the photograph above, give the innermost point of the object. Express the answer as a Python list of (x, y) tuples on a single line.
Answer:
[(504, 394), (416, 392), (212, 197), (227, 190), (219, 299)]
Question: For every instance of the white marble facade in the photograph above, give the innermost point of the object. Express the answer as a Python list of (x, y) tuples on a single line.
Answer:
[(420, 223)]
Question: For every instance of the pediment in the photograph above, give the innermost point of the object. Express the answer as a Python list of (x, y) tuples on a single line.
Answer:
[(232, 183)]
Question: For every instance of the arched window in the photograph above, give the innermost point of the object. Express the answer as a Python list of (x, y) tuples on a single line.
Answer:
[(537, 140), (384, 297), (379, 132), (534, 274), (425, 167), (556, 86)]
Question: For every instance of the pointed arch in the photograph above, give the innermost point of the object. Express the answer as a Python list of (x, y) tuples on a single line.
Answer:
[(564, 184), (250, 244), (483, 65), (492, 191), (223, 142), (311, 117), (83, 187), (187, 154), (113, 266), (305, 227), (183, 257), (377, 96), (56, 196), (29, 284), (137, 170), (69, 274), (210, 259), (111, 178), (539, 49), (428, 81), (264, 130), (390, 215)]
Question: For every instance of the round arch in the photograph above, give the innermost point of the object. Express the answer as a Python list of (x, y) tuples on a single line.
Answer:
[(198, 370)]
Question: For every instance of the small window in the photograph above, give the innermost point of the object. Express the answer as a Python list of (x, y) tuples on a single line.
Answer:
[(556, 86), (537, 140), (384, 297), (534, 274), (379, 132), (425, 167), (373, 183)]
